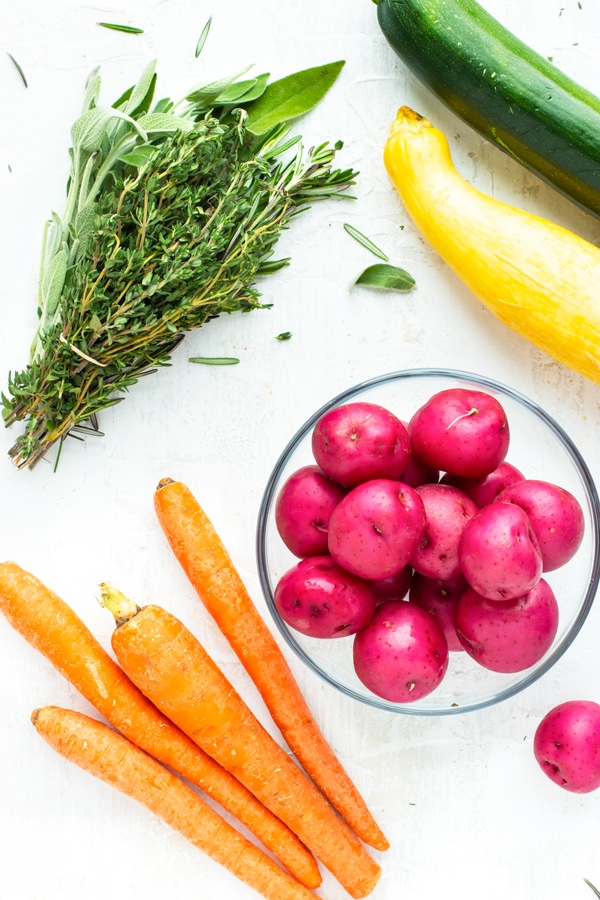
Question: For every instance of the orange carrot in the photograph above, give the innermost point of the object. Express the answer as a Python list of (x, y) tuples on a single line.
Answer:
[(219, 586), (110, 756), (53, 628), (174, 670)]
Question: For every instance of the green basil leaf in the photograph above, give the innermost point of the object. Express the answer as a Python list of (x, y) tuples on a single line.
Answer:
[(291, 97), (386, 278)]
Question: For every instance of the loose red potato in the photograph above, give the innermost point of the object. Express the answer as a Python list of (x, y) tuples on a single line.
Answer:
[(360, 441), (555, 515), (499, 553), (320, 599), (460, 431), (447, 511), (375, 528), (303, 509), (508, 635), (402, 654)]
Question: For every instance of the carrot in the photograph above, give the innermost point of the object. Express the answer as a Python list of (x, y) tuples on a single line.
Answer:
[(53, 628), (173, 669), (219, 586), (110, 756)]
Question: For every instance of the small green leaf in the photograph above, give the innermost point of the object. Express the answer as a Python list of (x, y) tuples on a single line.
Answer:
[(202, 38), (129, 29), (139, 156), (235, 91), (255, 92), (284, 336), (291, 97), (214, 360), (208, 93), (386, 278), (18, 68), (365, 241)]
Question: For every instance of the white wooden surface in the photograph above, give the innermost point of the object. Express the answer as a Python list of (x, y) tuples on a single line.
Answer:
[(464, 805)]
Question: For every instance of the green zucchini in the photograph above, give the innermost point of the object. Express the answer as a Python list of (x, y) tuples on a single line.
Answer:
[(515, 98)]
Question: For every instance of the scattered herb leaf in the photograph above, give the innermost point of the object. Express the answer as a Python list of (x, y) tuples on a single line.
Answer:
[(18, 68), (129, 29), (214, 360), (292, 96), (595, 889), (365, 241), (284, 336), (386, 277), (202, 38)]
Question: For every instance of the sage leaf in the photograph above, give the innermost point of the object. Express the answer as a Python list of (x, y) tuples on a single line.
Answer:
[(386, 278), (141, 93), (164, 123), (260, 83), (291, 97), (115, 26), (214, 360), (92, 89), (89, 130), (53, 282), (207, 94), (235, 91), (202, 39), (365, 241)]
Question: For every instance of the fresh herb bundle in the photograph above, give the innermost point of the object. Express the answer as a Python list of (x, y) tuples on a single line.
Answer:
[(172, 213)]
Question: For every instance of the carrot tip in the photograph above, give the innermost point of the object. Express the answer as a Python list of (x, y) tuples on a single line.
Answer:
[(35, 715), (164, 482)]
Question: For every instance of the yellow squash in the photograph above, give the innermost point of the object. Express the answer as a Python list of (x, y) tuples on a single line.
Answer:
[(538, 278)]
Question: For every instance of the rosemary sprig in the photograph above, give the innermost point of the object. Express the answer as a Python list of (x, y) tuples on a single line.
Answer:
[(172, 214)]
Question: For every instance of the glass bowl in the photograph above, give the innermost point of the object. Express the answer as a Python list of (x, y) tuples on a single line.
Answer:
[(539, 447)]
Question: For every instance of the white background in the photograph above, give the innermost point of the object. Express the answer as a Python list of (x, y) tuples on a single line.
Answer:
[(461, 798)]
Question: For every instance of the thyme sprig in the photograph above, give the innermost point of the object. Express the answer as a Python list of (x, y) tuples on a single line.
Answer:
[(172, 214)]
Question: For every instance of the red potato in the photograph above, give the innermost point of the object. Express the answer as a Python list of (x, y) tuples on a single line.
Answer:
[(303, 509), (499, 553), (418, 472), (507, 635), (555, 515), (485, 490), (375, 528), (357, 442), (402, 654), (460, 431), (440, 598), (566, 745), (393, 588), (320, 599), (447, 511)]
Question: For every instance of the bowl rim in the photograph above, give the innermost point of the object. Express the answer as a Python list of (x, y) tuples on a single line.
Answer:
[(530, 677)]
